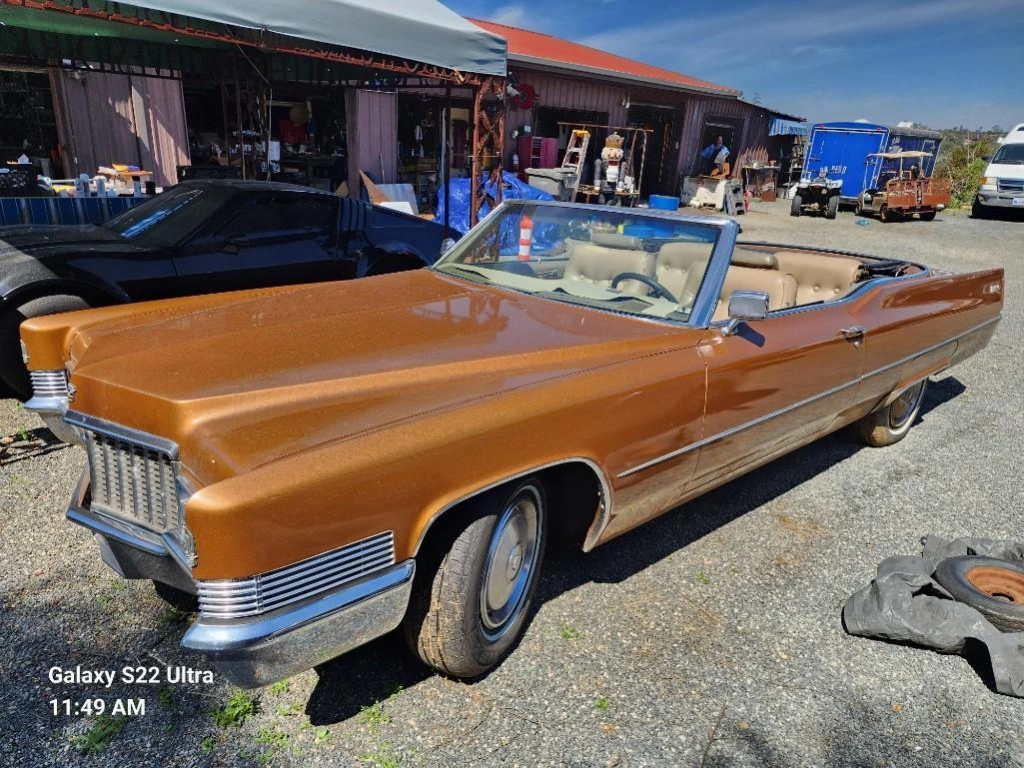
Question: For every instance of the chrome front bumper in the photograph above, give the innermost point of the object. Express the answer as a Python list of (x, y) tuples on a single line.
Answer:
[(261, 649), (274, 646), (995, 199)]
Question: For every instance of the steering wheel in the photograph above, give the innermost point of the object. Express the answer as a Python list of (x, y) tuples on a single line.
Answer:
[(650, 282)]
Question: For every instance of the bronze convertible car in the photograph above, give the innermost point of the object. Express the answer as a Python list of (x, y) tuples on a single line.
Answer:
[(321, 464)]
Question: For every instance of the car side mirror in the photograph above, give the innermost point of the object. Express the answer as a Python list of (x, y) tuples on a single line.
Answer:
[(745, 306), (987, 158), (447, 244)]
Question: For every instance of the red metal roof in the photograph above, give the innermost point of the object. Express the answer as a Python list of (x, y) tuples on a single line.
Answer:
[(527, 46)]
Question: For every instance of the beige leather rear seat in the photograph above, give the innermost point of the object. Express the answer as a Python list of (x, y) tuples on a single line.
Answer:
[(780, 287), (598, 265), (818, 277)]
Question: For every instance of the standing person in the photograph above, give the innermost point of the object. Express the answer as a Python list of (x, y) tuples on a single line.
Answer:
[(713, 154)]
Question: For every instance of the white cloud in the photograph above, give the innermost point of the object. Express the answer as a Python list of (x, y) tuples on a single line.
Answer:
[(513, 15), (728, 41)]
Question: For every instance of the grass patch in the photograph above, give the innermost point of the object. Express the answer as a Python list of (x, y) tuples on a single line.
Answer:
[(239, 708), (374, 716), (702, 577), (100, 734), (280, 687), (382, 757), (569, 632), (602, 703)]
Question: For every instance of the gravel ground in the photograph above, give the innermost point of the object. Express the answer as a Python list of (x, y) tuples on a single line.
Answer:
[(709, 637)]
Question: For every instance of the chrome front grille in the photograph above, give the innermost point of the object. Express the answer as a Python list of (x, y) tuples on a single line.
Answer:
[(133, 481), (1010, 185), (47, 384), (236, 598)]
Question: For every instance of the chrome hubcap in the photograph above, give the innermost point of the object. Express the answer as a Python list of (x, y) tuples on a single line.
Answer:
[(905, 406), (510, 564)]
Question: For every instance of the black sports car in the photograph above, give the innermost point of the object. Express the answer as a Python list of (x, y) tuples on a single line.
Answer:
[(199, 237)]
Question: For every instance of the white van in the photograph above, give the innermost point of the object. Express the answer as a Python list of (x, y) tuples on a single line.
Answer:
[(1003, 183)]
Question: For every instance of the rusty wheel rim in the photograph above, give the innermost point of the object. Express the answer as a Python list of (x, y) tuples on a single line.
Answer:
[(998, 583)]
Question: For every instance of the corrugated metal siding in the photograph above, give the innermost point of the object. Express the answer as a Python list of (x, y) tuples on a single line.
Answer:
[(167, 133), (566, 93), (134, 120), (372, 120), (754, 121)]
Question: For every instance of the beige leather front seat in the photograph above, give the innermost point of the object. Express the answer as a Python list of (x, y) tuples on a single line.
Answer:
[(818, 277), (680, 268), (780, 287), (598, 265)]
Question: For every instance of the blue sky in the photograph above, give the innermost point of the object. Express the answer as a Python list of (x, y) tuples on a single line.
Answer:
[(939, 62)]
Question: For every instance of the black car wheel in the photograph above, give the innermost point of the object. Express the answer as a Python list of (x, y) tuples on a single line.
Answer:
[(927, 215), (978, 210), (796, 207), (832, 208), (13, 372), (991, 586), (471, 598)]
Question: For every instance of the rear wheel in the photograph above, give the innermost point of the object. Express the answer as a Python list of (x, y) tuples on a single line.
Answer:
[(887, 215), (470, 605), (13, 372), (796, 207), (927, 215), (832, 207), (890, 423)]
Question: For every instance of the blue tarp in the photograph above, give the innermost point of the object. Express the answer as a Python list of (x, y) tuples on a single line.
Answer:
[(63, 210), (512, 189)]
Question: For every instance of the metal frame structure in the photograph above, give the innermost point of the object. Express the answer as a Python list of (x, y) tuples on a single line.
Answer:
[(489, 90)]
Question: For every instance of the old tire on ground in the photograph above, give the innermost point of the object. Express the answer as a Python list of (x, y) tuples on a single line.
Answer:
[(795, 208), (470, 603), (890, 423), (832, 207), (178, 599), (927, 215), (12, 369), (992, 586)]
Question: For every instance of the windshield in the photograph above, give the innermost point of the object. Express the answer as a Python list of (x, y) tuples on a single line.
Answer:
[(619, 260), (1010, 154), (167, 219)]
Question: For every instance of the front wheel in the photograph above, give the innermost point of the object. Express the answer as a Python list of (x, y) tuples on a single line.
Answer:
[(468, 610), (796, 207), (978, 210), (832, 208), (890, 423)]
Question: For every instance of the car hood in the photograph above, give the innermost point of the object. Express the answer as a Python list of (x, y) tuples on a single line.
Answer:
[(256, 379), (45, 240), (1005, 171)]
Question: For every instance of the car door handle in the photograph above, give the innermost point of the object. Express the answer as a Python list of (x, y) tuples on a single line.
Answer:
[(854, 332)]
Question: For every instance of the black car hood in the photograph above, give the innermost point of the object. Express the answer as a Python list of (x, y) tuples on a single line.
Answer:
[(33, 253), (42, 241)]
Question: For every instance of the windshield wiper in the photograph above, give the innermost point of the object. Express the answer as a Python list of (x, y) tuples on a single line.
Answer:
[(478, 273)]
